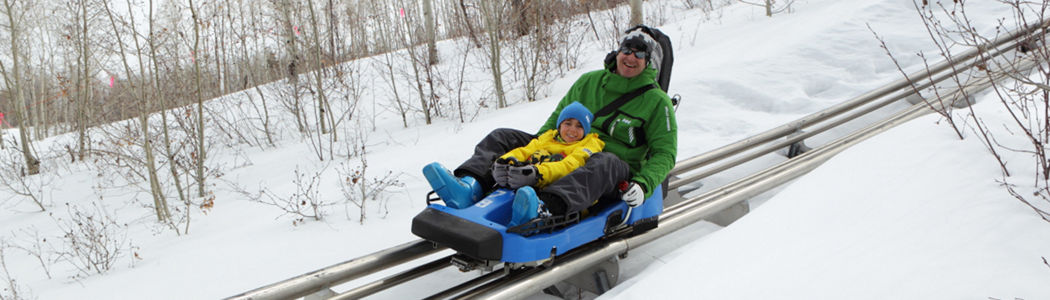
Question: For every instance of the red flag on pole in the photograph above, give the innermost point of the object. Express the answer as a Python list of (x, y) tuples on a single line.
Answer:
[(2, 122)]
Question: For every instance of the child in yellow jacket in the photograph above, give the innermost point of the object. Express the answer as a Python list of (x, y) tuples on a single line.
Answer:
[(546, 159), (551, 155)]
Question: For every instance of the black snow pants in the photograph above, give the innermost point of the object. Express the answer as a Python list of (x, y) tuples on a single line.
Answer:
[(573, 193)]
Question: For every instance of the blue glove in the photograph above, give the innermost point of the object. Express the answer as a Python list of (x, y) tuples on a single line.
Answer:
[(519, 176), (634, 195)]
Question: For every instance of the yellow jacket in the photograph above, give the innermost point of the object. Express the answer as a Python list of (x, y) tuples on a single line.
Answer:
[(553, 158)]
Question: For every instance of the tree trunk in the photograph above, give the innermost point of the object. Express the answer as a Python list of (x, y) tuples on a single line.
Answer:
[(428, 18), (84, 92), (160, 203), (492, 11), (387, 30), (293, 65), (636, 12), (466, 21), (18, 99), (201, 155), (168, 151), (253, 80), (324, 116), (335, 50)]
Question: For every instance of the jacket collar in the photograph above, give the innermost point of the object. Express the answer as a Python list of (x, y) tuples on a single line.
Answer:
[(615, 83)]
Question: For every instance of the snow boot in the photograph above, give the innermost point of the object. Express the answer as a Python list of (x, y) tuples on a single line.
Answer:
[(526, 207), (456, 192)]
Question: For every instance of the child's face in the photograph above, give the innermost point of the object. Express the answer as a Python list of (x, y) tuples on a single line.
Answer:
[(571, 130)]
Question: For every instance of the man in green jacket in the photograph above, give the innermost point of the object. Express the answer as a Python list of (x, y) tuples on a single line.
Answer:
[(641, 138)]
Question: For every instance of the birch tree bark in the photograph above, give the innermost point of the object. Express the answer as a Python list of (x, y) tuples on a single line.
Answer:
[(14, 19), (492, 12), (636, 12), (428, 19), (324, 111), (284, 8), (84, 90), (201, 154)]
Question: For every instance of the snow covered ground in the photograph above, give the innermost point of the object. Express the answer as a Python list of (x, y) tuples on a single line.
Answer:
[(912, 213)]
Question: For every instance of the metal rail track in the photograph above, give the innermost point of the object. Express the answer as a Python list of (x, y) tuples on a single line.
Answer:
[(516, 284)]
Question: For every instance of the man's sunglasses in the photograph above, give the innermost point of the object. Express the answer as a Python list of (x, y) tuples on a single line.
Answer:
[(637, 53)]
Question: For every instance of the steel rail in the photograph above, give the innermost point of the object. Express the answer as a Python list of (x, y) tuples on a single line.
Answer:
[(327, 277), (709, 203), (396, 279), (843, 117), (471, 284), (794, 126)]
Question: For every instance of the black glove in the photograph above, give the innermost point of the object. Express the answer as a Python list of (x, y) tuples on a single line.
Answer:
[(501, 172), (522, 176)]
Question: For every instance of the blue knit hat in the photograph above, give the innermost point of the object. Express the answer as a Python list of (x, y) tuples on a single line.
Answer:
[(577, 111)]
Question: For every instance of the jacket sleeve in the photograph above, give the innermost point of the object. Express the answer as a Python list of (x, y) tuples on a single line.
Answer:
[(552, 171), (523, 153), (662, 133)]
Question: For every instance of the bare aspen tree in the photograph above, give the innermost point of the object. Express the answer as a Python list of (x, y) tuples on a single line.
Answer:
[(250, 76), (363, 13), (386, 29), (16, 82), (466, 21), (325, 120), (636, 12), (222, 57), (284, 8), (319, 73), (492, 13), (519, 15), (201, 155), (347, 86), (430, 24), (84, 90), (334, 49), (43, 87), (422, 71), (169, 152), (160, 203), (533, 50)]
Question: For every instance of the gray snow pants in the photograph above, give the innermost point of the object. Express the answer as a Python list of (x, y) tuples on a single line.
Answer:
[(576, 191)]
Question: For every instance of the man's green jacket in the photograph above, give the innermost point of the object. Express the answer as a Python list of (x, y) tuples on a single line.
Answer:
[(643, 132)]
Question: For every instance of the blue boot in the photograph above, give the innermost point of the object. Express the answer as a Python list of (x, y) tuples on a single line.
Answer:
[(526, 206), (457, 192)]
